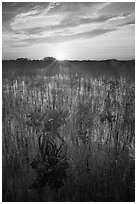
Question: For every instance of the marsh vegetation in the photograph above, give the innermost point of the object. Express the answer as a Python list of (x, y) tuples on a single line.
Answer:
[(67, 137)]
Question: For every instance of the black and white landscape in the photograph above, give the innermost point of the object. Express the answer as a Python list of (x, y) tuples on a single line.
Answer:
[(68, 84)]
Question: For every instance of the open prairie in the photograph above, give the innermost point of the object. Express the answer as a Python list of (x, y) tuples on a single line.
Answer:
[(68, 130)]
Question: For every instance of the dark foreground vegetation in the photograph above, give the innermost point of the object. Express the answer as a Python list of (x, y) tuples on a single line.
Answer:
[(68, 131)]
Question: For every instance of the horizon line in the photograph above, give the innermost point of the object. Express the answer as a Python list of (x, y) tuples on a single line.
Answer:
[(31, 59)]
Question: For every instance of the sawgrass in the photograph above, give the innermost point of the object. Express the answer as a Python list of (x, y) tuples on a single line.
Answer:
[(98, 133)]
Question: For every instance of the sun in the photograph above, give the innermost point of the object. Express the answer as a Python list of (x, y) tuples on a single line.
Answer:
[(60, 56)]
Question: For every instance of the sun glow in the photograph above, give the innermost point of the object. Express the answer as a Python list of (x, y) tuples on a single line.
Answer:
[(60, 56)]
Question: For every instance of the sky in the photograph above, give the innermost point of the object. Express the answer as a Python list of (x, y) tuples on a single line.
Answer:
[(68, 30)]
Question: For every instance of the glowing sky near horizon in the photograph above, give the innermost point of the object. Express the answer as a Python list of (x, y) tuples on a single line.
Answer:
[(75, 30)]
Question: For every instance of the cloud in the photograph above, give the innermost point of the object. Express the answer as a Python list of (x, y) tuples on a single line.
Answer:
[(78, 8), (73, 14), (22, 9), (11, 11), (34, 31), (118, 8), (68, 22), (66, 38), (132, 22)]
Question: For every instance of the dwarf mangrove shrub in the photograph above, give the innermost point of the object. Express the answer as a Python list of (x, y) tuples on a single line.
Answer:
[(51, 164)]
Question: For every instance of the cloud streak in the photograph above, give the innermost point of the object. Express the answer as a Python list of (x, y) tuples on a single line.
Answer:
[(132, 22), (68, 22), (66, 38), (11, 11)]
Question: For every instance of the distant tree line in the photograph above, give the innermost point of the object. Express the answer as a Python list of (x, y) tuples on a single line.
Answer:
[(96, 67), (27, 63)]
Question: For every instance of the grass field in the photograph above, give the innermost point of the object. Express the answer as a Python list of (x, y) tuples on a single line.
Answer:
[(68, 138)]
